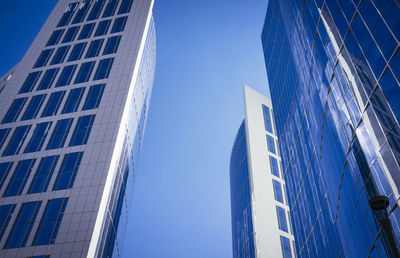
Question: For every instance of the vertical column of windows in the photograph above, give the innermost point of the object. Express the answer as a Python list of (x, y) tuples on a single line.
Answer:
[(84, 72), (43, 58), (60, 55), (6, 212), (5, 168), (77, 51), (94, 97), (82, 130), (110, 8), (67, 14), (17, 140), (60, 134), (55, 37), (66, 75), (48, 79), (38, 137), (67, 173), (43, 174), (73, 100), (94, 48), (70, 34), (103, 69), (112, 45), (82, 11), (96, 10), (14, 110), (19, 178), (125, 6), (102, 28), (86, 31), (119, 24), (53, 103), (30, 82)]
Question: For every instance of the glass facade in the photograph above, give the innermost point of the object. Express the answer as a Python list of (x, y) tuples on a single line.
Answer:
[(333, 73)]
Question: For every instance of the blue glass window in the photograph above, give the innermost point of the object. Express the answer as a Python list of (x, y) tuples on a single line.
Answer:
[(50, 222), (53, 103), (6, 212), (94, 97), (66, 75), (112, 45), (14, 110), (86, 31), (4, 170), (278, 191), (280, 212), (69, 168), (19, 178), (43, 174), (70, 34), (82, 130), (125, 6), (271, 144), (23, 225), (267, 119), (17, 140), (67, 14), (3, 135), (94, 48), (33, 107), (38, 137), (82, 10), (55, 37), (48, 79), (102, 29), (30, 82), (84, 72), (60, 134), (104, 68), (73, 100), (60, 54), (119, 24), (274, 166), (110, 8), (43, 58), (285, 244), (96, 10), (77, 51)]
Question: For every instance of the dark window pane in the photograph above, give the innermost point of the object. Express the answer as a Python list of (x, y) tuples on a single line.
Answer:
[(119, 24), (48, 79), (43, 58), (3, 135), (4, 170), (67, 14), (277, 191), (274, 166), (23, 225), (70, 34), (86, 31), (112, 45), (110, 8), (282, 219), (267, 119), (392, 92), (77, 51), (14, 110), (17, 140), (6, 212), (53, 103), (96, 10), (38, 137), (69, 168), (82, 130), (60, 134), (84, 72), (43, 174), (81, 11), (285, 244), (125, 6), (271, 144), (33, 107), (395, 64), (73, 100), (94, 97), (18, 179), (94, 48), (66, 75), (104, 68), (30, 82), (59, 56), (102, 29), (55, 37)]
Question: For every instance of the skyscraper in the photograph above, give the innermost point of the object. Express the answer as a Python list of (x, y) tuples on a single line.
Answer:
[(73, 112), (334, 69), (260, 214)]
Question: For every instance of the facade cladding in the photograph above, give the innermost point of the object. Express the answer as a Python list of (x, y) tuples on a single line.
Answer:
[(73, 115), (334, 69)]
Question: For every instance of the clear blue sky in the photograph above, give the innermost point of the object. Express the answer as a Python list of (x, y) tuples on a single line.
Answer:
[(206, 51)]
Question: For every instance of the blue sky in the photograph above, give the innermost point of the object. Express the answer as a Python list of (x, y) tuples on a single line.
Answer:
[(206, 51)]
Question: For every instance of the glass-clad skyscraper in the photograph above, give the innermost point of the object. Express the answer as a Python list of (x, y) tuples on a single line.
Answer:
[(261, 224), (72, 114), (334, 70)]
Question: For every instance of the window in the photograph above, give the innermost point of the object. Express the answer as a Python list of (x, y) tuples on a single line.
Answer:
[(17, 140), (50, 222), (84, 72), (43, 58), (30, 82), (23, 225), (282, 219), (73, 100), (38, 137), (69, 168), (119, 24), (94, 48), (96, 10), (67, 15), (125, 6), (4, 170), (55, 37), (48, 79), (3, 135), (82, 130), (6, 212), (19, 178), (267, 119), (60, 54), (70, 34), (278, 191), (60, 134), (102, 29), (110, 8), (94, 97), (274, 166), (285, 244), (104, 68), (43, 174), (86, 31), (14, 110), (112, 45), (77, 51), (66, 75), (33, 107), (53, 103), (271, 144), (82, 10)]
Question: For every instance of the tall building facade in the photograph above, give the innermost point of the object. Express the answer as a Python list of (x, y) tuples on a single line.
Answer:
[(334, 69), (73, 113), (261, 224)]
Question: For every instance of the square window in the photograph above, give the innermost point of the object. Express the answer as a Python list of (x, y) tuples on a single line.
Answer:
[(86, 31), (48, 79), (66, 75), (84, 72), (103, 69), (30, 82), (119, 24), (70, 34), (94, 48), (102, 29)]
